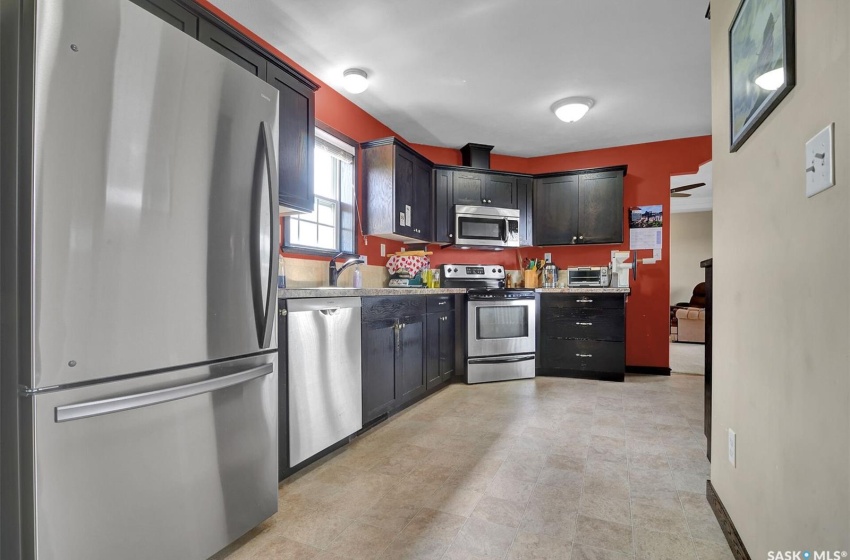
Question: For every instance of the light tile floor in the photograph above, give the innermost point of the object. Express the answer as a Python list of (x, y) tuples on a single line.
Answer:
[(546, 468)]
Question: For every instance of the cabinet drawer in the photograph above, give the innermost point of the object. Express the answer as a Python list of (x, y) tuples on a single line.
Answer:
[(584, 355), (590, 300), (392, 307), (438, 304), (580, 323)]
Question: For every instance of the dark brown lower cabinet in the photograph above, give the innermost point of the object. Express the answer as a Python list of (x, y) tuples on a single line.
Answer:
[(583, 335), (392, 353), (440, 340), (408, 349)]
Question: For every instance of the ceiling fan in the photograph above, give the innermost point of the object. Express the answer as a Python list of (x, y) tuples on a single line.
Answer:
[(677, 192)]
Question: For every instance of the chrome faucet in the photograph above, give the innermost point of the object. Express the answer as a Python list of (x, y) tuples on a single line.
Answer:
[(334, 272)]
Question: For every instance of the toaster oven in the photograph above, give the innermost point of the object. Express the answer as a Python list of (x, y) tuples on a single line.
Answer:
[(587, 276)]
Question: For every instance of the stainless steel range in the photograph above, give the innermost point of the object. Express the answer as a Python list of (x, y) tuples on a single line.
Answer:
[(500, 325)]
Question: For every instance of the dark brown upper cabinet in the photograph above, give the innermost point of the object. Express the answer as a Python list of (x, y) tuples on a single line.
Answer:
[(398, 195), (176, 15), (472, 188), (297, 136), (233, 49), (579, 207)]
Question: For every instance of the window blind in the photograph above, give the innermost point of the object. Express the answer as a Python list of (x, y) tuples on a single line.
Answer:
[(334, 151)]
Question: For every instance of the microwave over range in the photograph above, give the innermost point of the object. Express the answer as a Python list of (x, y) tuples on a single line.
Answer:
[(486, 227)]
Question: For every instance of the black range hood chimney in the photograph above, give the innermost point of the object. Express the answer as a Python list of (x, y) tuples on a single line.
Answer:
[(476, 155)]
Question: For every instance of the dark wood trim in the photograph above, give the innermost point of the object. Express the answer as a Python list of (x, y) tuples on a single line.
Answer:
[(623, 168), (648, 370), (480, 170), (739, 551), (392, 140), (286, 472), (200, 11)]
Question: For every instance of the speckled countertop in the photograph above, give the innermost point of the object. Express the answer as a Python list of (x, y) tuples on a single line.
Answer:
[(365, 292)]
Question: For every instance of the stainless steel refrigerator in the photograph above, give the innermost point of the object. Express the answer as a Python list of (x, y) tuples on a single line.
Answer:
[(138, 249)]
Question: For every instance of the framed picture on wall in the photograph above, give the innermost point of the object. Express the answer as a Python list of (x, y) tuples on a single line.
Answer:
[(761, 63)]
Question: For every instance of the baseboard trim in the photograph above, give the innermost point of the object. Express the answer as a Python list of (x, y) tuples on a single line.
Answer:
[(648, 370), (739, 551)]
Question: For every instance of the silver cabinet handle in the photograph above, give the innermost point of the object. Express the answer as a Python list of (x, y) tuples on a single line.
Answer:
[(139, 400), (584, 324), (584, 355), (585, 300), (442, 303), (574, 238), (451, 235), (580, 237), (283, 312)]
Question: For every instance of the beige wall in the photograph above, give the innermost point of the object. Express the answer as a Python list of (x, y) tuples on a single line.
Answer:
[(690, 244), (781, 333)]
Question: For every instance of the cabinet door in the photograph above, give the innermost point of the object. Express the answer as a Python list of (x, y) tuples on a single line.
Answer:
[(432, 345), (468, 188), (421, 213), (500, 191), (231, 48), (444, 224), (410, 359), (447, 345), (282, 394), (556, 210), (526, 222), (296, 138), (600, 203), (169, 11), (380, 388), (405, 164)]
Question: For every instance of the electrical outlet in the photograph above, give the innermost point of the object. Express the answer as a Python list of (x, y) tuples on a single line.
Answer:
[(731, 447), (547, 257), (383, 250), (365, 259)]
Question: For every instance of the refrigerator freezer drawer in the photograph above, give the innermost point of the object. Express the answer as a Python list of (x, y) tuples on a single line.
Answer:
[(175, 465)]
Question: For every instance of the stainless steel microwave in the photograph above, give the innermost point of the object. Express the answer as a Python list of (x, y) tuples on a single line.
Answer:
[(486, 227)]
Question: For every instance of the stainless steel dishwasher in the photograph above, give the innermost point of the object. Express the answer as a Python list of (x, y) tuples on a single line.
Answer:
[(325, 399)]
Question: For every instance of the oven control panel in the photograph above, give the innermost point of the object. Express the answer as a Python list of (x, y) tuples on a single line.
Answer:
[(472, 271)]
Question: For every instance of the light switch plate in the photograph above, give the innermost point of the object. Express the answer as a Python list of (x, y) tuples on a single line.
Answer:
[(820, 165), (547, 257)]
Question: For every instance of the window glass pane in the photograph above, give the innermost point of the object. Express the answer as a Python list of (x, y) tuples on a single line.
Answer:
[(327, 213), (331, 225), (324, 174), (307, 235), (327, 237)]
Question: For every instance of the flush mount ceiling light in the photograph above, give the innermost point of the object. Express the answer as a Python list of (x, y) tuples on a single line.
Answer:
[(772, 80), (355, 80), (572, 109)]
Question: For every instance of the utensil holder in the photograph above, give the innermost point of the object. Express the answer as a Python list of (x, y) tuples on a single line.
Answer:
[(530, 278)]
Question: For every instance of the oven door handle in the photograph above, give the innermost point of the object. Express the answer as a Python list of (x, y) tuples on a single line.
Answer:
[(502, 360)]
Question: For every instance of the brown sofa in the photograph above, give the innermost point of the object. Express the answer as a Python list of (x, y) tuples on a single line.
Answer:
[(689, 318)]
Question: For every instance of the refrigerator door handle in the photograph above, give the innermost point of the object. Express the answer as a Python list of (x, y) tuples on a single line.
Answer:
[(265, 301), (271, 172), (88, 409)]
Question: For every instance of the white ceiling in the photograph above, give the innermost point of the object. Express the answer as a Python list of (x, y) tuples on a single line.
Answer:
[(701, 199), (448, 72)]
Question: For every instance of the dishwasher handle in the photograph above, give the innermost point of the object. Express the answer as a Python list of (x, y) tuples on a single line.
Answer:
[(322, 304)]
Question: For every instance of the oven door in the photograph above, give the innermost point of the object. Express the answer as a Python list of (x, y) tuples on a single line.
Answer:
[(498, 328)]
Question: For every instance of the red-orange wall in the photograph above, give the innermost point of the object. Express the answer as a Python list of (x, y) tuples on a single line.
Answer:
[(647, 182)]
